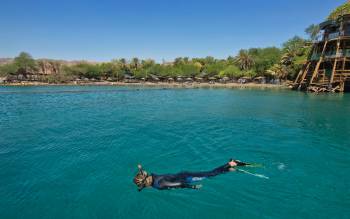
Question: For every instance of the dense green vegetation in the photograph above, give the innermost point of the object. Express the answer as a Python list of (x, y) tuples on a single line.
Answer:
[(23, 64), (341, 10), (271, 62)]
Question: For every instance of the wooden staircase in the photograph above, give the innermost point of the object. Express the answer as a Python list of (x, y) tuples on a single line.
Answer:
[(304, 77)]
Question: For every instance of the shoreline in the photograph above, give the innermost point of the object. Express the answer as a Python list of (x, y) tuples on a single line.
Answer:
[(159, 84)]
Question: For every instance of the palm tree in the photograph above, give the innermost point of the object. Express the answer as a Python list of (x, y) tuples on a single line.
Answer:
[(279, 71), (148, 63), (124, 65), (288, 57), (293, 48), (122, 61), (186, 60), (135, 63), (178, 61), (313, 31), (244, 60)]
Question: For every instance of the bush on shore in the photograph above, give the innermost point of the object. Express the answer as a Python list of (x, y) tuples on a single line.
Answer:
[(253, 62)]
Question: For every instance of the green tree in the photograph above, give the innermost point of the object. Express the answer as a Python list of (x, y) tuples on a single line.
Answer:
[(189, 69), (135, 63), (264, 58), (147, 63), (313, 31), (178, 61), (341, 10), (214, 68), (230, 60), (244, 60), (8, 69), (296, 46), (84, 69), (293, 48), (209, 60), (231, 71), (110, 70), (25, 64), (278, 71), (249, 73), (294, 56)]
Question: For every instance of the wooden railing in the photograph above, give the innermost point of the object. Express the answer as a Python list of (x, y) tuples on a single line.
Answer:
[(341, 75), (333, 37), (341, 54)]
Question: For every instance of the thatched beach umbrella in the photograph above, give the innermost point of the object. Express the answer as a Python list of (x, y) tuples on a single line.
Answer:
[(203, 75), (224, 79), (212, 80), (198, 79), (244, 80), (260, 79), (127, 76), (189, 79), (179, 79), (154, 77)]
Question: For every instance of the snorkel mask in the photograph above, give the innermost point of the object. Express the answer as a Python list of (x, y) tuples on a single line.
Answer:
[(140, 178)]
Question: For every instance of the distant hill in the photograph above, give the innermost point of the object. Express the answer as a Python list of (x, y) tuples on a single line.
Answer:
[(5, 60)]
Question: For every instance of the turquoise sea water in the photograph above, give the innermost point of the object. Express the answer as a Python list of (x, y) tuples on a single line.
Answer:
[(71, 152)]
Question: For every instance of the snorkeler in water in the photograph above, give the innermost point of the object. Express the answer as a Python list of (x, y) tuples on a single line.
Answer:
[(183, 179)]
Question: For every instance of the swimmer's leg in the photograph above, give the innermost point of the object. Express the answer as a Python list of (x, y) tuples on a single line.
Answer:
[(193, 177)]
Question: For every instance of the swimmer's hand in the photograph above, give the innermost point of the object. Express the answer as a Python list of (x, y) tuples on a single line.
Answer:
[(232, 163)]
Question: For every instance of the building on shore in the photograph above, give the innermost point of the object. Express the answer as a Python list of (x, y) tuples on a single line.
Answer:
[(328, 66)]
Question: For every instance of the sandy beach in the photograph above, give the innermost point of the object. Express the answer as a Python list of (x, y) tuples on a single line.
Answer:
[(160, 84)]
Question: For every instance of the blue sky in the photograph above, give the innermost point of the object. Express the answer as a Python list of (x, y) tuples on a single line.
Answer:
[(159, 29)]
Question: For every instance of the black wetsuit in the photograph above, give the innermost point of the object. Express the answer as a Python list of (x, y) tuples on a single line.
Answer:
[(185, 179)]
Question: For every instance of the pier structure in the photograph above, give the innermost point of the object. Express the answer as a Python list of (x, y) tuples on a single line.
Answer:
[(328, 66)]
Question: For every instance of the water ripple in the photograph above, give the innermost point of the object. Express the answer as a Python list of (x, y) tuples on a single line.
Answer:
[(71, 152)]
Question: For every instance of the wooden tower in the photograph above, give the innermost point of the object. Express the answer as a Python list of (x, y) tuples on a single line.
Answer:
[(328, 65)]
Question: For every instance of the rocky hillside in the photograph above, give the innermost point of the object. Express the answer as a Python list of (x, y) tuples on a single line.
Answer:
[(4, 61), (47, 66)]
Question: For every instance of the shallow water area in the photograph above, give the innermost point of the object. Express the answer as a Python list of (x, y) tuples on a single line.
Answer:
[(71, 152)]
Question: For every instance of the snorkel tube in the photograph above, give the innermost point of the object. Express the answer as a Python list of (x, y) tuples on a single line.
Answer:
[(140, 178)]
